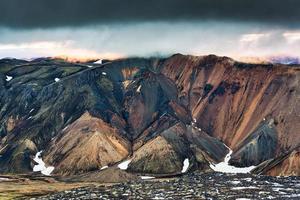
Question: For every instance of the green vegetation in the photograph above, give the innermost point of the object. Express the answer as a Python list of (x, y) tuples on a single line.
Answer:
[(105, 84)]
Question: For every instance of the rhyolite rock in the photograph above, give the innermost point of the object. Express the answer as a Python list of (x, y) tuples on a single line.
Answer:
[(148, 110)]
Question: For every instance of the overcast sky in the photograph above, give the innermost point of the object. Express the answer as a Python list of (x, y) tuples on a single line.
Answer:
[(120, 28)]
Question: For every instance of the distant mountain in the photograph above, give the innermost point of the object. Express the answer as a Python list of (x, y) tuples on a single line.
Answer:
[(288, 60), (153, 113)]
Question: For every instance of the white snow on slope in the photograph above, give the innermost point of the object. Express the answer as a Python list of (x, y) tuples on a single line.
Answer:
[(194, 125), (186, 164), (139, 89), (56, 79), (226, 168), (104, 167), (124, 165), (41, 167), (65, 128), (4, 179), (8, 78), (98, 61), (147, 177)]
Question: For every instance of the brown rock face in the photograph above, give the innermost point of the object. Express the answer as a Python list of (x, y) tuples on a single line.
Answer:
[(146, 97), (11, 124), (259, 146), (288, 167), (229, 100), (156, 157), (85, 145), (164, 154), (285, 165)]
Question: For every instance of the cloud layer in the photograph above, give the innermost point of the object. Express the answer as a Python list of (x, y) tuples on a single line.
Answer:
[(72, 13), (118, 28), (152, 39)]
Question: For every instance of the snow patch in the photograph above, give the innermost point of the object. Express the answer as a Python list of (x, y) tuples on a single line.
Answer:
[(104, 167), (194, 125), (65, 128), (226, 168), (147, 177), (199, 129), (235, 182), (8, 78), (98, 61), (139, 89), (124, 165), (56, 79), (104, 73), (41, 167), (242, 188), (186, 164), (158, 197)]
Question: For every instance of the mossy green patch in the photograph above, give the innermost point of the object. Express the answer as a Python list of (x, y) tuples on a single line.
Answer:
[(105, 84)]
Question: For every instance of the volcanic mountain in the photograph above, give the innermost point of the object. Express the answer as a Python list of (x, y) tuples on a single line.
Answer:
[(154, 113)]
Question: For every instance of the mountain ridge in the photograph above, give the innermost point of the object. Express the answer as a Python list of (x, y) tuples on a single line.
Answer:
[(190, 103)]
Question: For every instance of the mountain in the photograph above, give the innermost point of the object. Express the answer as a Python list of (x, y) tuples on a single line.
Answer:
[(289, 60), (154, 113)]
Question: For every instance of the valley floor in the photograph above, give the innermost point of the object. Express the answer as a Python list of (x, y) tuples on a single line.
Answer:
[(27, 186), (190, 186)]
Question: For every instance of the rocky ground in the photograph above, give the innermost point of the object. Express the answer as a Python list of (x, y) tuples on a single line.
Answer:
[(192, 186)]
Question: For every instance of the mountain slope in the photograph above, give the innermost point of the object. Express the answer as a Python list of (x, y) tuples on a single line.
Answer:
[(85, 145), (86, 116)]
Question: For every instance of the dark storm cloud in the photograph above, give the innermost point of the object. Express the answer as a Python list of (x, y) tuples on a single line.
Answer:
[(57, 13)]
